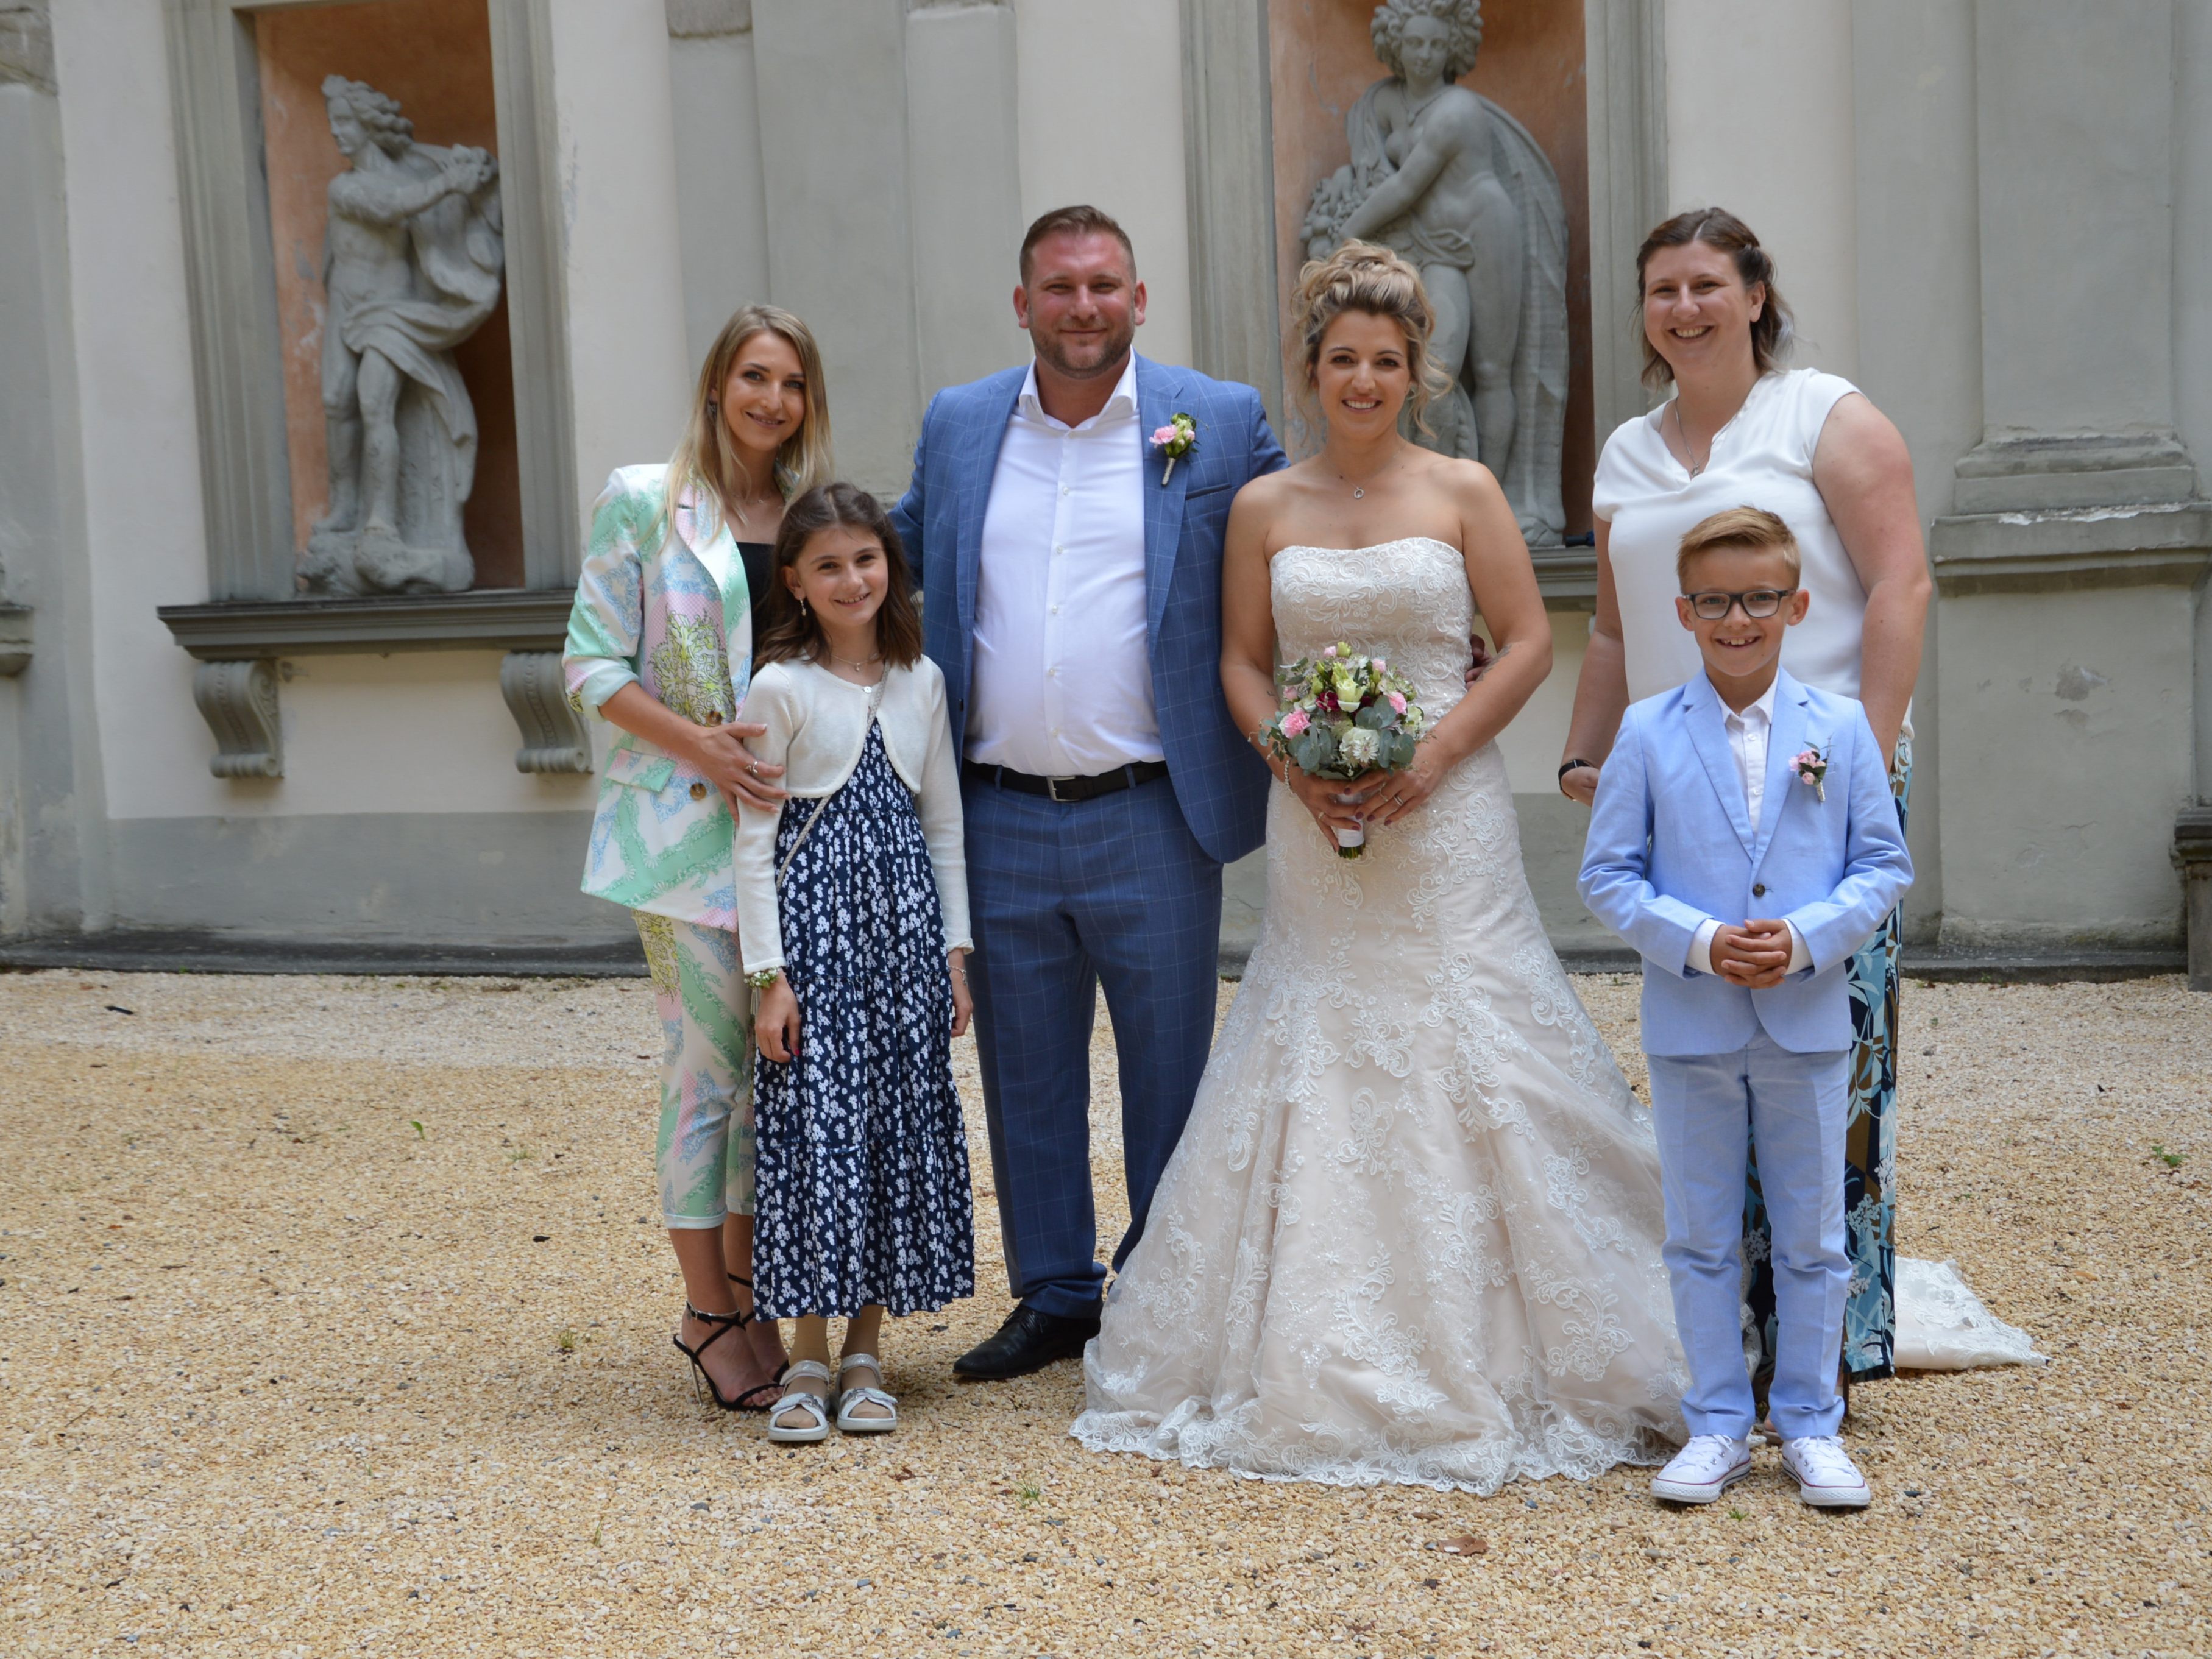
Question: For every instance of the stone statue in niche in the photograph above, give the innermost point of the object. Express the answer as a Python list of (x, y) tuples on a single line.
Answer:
[(411, 264), (1460, 189)]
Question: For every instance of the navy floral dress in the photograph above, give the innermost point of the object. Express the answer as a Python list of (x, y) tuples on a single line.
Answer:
[(863, 1158)]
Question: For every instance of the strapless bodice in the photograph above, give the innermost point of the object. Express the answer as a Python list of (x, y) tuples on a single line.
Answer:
[(1406, 601)]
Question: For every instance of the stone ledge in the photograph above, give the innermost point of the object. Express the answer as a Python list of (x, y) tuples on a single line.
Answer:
[(177, 950), (486, 619), (2071, 549), (1566, 576)]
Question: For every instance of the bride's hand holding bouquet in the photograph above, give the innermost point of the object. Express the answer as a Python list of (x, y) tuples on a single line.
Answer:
[(1348, 719)]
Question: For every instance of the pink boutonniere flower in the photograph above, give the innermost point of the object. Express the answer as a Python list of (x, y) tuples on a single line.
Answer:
[(1812, 769), (1174, 441)]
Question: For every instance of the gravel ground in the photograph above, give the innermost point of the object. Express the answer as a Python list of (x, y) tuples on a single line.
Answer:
[(328, 1327)]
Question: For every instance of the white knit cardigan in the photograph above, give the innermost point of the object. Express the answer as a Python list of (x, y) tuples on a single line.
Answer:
[(817, 725)]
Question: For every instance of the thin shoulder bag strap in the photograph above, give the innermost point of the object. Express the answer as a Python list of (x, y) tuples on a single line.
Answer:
[(805, 829), (814, 817)]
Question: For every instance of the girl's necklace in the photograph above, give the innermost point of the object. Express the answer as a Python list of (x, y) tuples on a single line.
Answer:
[(865, 662)]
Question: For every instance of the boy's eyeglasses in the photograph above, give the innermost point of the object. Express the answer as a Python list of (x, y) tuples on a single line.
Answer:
[(1759, 604)]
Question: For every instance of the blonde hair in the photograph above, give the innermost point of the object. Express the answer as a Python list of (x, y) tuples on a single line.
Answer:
[(1754, 527), (705, 456), (1365, 277)]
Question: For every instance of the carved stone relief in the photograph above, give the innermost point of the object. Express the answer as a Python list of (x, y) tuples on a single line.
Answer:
[(1453, 183)]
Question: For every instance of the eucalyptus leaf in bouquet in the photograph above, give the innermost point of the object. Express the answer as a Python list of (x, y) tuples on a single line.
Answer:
[(1342, 715)]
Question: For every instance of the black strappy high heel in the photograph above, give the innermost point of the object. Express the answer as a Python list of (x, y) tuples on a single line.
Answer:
[(723, 1324), (772, 1389)]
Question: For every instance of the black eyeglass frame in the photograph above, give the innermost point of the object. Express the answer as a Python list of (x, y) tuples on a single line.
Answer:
[(1744, 598)]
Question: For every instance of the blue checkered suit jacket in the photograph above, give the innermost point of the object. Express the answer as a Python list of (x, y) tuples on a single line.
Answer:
[(1221, 783)]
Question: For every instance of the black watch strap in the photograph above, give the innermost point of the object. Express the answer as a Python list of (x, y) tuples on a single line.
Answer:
[(1568, 766)]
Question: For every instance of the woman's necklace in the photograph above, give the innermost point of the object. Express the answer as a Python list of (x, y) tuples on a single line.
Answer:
[(1359, 491), (863, 663), (1689, 449)]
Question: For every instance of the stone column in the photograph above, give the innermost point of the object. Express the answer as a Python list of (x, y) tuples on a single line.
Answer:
[(2064, 575)]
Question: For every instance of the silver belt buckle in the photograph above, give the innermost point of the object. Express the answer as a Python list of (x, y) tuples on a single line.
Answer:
[(1052, 790)]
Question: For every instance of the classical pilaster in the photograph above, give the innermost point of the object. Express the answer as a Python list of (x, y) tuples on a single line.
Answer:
[(2066, 571)]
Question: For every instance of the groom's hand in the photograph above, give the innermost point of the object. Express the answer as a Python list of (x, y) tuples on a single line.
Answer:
[(1754, 956)]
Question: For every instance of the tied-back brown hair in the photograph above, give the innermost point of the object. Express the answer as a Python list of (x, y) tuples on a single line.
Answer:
[(1366, 277), (786, 631), (1738, 527), (1716, 226), (1081, 220)]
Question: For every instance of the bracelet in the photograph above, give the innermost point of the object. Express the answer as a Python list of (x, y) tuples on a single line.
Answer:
[(763, 979)]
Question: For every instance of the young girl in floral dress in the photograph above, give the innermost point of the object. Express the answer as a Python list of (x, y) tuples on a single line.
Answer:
[(853, 915)]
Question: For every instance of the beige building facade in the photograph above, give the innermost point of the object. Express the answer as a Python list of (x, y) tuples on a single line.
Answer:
[(1993, 215)]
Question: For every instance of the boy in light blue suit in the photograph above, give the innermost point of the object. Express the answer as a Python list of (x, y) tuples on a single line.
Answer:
[(1745, 793)]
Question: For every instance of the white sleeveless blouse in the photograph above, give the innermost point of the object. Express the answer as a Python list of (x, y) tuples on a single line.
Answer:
[(1763, 458)]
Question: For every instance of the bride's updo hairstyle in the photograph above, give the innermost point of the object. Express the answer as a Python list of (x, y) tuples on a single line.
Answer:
[(1362, 276)]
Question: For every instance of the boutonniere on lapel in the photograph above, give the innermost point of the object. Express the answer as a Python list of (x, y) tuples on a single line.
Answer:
[(1812, 769), (1174, 441)]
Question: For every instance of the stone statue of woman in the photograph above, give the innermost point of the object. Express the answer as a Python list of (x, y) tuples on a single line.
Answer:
[(411, 264), (1460, 189)]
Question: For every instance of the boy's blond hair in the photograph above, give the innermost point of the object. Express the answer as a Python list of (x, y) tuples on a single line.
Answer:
[(1738, 527)]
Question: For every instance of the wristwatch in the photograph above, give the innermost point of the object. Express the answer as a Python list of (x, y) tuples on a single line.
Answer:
[(1569, 765)]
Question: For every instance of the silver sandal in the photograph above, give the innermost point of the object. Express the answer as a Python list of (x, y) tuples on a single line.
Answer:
[(818, 1428), (849, 1398)]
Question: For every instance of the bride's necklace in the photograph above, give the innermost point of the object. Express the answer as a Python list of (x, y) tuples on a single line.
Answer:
[(1359, 491)]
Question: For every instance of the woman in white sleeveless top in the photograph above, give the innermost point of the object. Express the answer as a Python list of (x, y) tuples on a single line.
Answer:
[(1808, 447)]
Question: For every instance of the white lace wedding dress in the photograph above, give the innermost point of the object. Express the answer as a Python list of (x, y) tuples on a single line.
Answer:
[(1411, 1233)]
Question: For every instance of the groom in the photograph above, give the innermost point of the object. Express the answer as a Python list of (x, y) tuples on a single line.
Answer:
[(1071, 583)]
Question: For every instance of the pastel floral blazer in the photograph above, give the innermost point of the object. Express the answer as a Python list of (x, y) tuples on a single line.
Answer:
[(661, 602)]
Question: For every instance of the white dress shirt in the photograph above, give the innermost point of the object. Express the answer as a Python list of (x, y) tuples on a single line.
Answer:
[(1063, 678), (1747, 735)]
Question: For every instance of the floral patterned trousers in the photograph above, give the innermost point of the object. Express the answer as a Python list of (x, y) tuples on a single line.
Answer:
[(1869, 1170), (705, 1157)]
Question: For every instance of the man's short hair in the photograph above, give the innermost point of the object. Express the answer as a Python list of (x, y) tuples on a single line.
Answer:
[(1082, 220), (1738, 527)]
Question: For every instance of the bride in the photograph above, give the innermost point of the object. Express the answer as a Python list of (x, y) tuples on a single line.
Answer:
[(1412, 1230)]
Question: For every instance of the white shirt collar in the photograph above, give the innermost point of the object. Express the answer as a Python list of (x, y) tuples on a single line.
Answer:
[(1121, 406), (1763, 706)]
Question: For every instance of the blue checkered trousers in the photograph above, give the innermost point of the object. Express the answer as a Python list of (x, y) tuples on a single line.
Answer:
[(1122, 892)]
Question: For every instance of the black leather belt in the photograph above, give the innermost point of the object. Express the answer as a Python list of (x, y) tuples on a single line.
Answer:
[(1066, 791)]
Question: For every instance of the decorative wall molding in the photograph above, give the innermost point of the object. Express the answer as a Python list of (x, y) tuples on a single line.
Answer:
[(231, 287), (2070, 549), (486, 619), (2026, 473), (1229, 151), (230, 283), (15, 639), (705, 19), (238, 699), (537, 290), (553, 736), (1625, 55)]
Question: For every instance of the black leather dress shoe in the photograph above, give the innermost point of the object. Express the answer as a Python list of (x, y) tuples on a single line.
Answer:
[(1029, 1341)]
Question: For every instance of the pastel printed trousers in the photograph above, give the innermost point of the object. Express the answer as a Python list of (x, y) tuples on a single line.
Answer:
[(705, 1156)]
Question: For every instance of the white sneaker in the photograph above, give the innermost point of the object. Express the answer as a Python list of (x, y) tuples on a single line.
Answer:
[(1826, 1477), (1704, 1469)]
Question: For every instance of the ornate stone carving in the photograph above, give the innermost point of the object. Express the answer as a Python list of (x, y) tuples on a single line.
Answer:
[(1460, 188), (238, 699), (553, 737), (412, 266)]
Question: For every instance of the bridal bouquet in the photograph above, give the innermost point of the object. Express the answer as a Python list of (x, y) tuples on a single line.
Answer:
[(1342, 716)]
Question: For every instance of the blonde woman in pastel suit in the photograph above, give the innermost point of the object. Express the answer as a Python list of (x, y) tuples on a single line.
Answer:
[(660, 645)]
